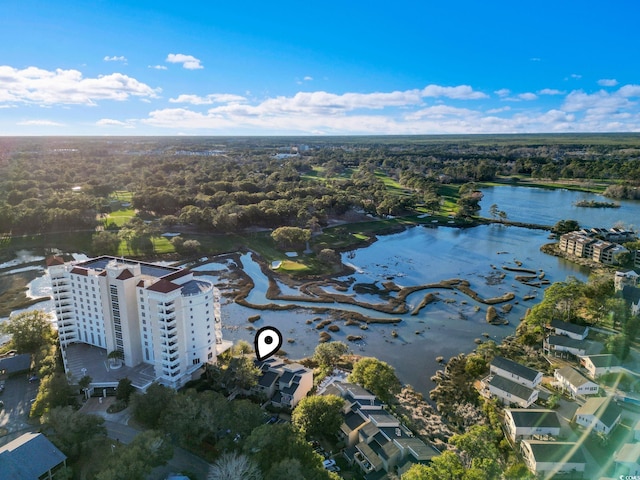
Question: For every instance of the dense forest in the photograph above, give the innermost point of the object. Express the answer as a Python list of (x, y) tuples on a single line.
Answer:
[(225, 185)]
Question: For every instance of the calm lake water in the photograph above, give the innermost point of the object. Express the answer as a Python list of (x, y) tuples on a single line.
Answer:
[(546, 206), (418, 256)]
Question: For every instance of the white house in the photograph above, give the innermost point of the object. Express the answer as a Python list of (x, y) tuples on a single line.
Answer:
[(563, 345), (632, 296), (570, 379), (599, 414), (510, 392), (597, 365), (515, 372), (628, 460), (621, 279), (522, 423), (571, 330), (547, 459)]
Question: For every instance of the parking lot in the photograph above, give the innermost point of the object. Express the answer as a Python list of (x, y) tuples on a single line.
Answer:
[(17, 396)]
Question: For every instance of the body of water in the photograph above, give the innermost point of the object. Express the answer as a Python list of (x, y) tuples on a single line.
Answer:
[(547, 206), (418, 256)]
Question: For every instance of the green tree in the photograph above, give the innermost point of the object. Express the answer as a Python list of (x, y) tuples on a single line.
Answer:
[(292, 237), (73, 432), (329, 353), (54, 391), (318, 415), (150, 408), (105, 243), (124, 390), (234, 466), (565, 226), (135, 461), (29, 330), (241, 373), (446, 466), (376, 376)]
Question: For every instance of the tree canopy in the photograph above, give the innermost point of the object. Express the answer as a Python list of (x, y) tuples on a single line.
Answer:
[(377, 376), (318, 415), (29, 330)]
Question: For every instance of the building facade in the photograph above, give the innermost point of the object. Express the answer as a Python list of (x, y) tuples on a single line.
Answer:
[(161, 316)]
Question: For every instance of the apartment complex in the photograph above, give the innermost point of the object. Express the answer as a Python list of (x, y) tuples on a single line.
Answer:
[(155, 315), (598, 244)]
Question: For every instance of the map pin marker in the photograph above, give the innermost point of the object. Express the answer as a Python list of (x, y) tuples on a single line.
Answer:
[(267, 341)]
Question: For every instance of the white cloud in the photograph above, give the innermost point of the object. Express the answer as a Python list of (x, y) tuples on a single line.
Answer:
[(464, 92), (576, 76), (307, 78), (41, 123), (499, 110), (109, 122), (535, 59), (629, 91), (157, 67), (188, 61), (44, 87), (550, 91), (209, 99), (503, 92), (121, 58), (607, 82), (528, 96)]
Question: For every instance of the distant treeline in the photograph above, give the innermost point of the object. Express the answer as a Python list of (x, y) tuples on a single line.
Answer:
[(227, 184)]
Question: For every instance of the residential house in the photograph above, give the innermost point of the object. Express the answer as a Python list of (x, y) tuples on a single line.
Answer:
[(285, 384), (573, 381), (597, 365), (599, 414), (522, 423), (31, 456), (547, 459), (628, 460), (376, 440), (13, 364), (631, 295), (515, 372), (621, 279), (563, 345), (510, 392), (571, 330)]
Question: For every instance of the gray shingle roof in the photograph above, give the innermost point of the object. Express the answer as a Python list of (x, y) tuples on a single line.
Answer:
[(534, 418), (573, 376), (515, 368), (515, 389), (16, 363), (603, 408), (556, 452), (568, 327), (28, 457)]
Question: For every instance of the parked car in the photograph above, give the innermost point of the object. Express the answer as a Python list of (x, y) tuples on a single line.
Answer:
[(329, 464)]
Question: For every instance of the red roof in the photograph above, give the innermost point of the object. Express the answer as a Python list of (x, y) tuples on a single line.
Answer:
[(125, 275), (140, 284), (80, 271), (163, 286), (55, 260)]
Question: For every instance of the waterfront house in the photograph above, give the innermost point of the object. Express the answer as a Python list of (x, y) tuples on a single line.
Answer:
[(569, 379), (515, 372), (565, 346), (628, 461), (548, 459), (597, 365), (31, 456), (285, 384), (571, 330), (522, 423), (510, 392), (600, 414)]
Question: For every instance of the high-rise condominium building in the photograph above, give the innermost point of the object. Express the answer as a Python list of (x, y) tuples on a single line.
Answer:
[(157, 315)]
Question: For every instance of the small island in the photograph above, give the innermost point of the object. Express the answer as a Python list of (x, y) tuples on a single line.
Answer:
[(596, 204)]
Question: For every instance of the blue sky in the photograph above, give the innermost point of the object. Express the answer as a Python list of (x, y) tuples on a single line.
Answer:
[(297, 68)]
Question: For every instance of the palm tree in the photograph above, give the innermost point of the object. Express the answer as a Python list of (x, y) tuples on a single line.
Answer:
[(234, 466), (115, 358)]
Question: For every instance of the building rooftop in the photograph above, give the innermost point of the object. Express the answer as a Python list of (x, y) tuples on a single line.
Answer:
[(195, 287), (604, 360), (15, 363), (515, 389), (523, 417), (556, 452), (267, 379), (354, 420), (515, 368), (603, 408), (629, 453), (29, 457), (100, 263), (569, 327), (573, 376)]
